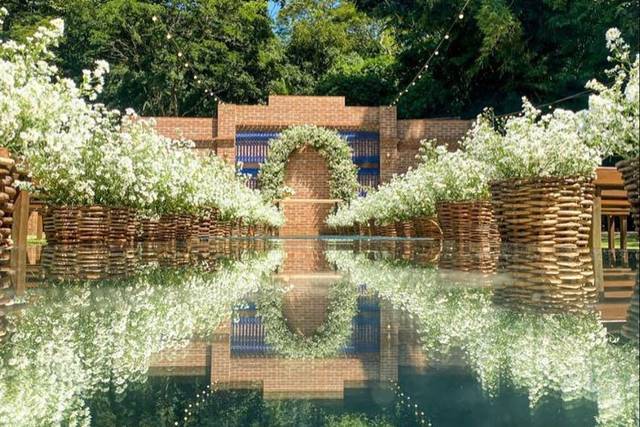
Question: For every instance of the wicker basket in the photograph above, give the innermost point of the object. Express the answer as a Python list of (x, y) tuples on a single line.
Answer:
[(545, 227), (387, 230), (427, 228), (168, 228), (468, 222), (630, 170), (149, 229), (405, 229), (61, 224), (93, 224), (203, 225), (185, 227), (121, 225)]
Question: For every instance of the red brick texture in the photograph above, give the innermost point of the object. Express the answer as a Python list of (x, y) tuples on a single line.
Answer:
[(307, 174), (399, 142)]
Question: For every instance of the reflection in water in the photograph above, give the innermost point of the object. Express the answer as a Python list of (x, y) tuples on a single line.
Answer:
[(309, 333)]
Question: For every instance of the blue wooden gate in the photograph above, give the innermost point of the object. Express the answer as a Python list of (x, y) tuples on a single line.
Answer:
[(252, 148)]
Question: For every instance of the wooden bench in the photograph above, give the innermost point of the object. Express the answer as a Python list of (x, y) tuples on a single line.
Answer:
[(614, 203)]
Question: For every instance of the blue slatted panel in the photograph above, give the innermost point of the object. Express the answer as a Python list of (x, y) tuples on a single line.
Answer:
[(247, 333), (252, 148)]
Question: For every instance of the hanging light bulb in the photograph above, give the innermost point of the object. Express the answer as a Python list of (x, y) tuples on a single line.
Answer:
[(154, 18), (186, 65), (437, 53), (179, 54), (169, 36), (446, 36), (461, 16)]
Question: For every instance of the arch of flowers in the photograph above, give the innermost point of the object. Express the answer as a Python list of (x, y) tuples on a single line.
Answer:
[(332, 147)]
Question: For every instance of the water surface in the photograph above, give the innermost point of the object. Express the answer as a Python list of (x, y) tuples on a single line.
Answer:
[(315, 333)]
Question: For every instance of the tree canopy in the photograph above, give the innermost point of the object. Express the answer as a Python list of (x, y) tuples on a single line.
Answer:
[(366, 50)]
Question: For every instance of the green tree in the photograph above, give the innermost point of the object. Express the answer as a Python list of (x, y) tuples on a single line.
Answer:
[(501, 50), (339, 49), (229, 47)]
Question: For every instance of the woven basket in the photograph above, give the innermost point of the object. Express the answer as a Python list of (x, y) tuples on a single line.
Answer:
[(225, 229), (468, 222), (387, 230), (149, 229), (545, 228), (121, 225), (168, 228), (630, 170), (427, 228), (61, 224), (184, 227), (93, 224), (8, 195), (204, 227), (405, 229)]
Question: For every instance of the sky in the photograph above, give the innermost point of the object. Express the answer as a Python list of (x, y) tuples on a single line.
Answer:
[(273, 9)]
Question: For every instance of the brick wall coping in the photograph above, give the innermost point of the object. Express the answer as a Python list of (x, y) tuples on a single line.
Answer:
[(305, 276), (324, 201)]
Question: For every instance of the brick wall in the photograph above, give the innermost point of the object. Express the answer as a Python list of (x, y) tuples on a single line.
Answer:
[(399, 142), (304, 257), (411, 132), (307, 174)]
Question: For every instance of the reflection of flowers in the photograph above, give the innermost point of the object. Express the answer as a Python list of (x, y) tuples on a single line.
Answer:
[(567, 354), (326, 340), (74, 340)]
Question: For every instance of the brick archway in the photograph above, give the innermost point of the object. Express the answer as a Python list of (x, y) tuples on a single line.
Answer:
[(308, 175)]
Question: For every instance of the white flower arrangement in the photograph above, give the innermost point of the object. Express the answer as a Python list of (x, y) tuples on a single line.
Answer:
[(534, 145), (614, 111), (79, 153)]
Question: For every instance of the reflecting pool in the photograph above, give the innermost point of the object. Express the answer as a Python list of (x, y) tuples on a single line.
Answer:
[(362, 332)]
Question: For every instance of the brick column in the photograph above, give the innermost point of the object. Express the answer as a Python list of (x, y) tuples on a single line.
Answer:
[(225, 141), (388, 142)]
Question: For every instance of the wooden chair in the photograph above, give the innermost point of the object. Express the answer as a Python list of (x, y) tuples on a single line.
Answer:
[(614, 203)]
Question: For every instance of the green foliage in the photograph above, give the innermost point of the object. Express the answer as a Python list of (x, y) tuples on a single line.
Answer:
[(229, 43), (367, 50)]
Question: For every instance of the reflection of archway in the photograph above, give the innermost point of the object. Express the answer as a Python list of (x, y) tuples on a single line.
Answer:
[(308, 175)]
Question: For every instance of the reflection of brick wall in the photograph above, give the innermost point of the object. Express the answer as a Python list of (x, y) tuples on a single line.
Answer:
[(300, 378), (304, 257), (305, 305)]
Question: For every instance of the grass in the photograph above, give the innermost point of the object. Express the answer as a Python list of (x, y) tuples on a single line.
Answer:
[(632, 240), (33, 240)]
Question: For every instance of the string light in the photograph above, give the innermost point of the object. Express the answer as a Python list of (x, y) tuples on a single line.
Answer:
[(435, 53), (405, 399), (549, 105), (187, 65)]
